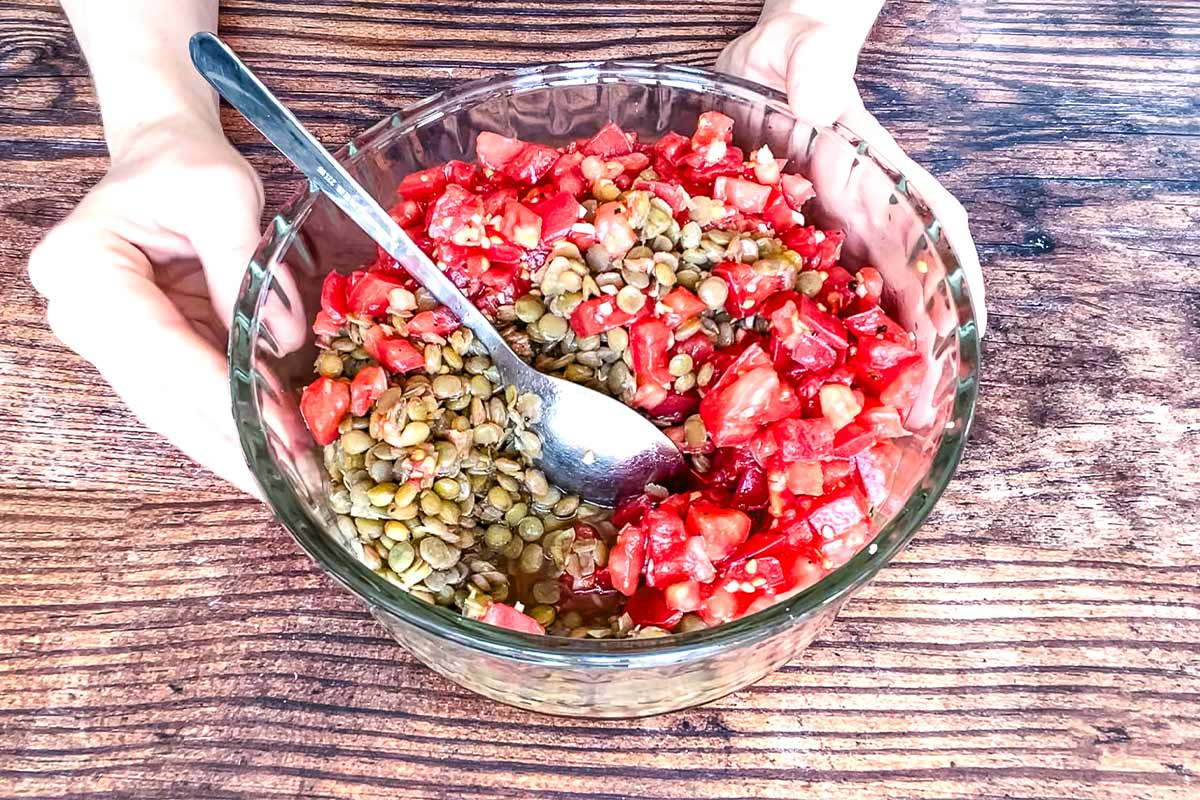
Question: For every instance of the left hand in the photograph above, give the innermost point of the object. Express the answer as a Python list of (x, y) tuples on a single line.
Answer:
[(813, 61)]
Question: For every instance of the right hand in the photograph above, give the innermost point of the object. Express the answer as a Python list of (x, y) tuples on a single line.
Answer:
[(141, 279)]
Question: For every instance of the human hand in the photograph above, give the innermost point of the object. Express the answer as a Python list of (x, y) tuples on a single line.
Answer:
[(142, 277), (810, 52)]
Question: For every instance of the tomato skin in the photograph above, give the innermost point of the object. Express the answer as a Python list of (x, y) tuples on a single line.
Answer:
[(369, 296), (721, 529), (397, 355), (324, 404), (438, 322), (457, 216), (505, 616), (520, 225), (712, 126), (424, 185), (609, 141), (648, 608), (746, 196), (648, 344), (333, 297), (495, 151), (558, 212), (368, 384), (626, 559), (734, 413), (598, 315), (748, 289), (682, 305)]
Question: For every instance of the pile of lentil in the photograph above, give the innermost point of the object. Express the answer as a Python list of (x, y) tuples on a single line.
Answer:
[(635, 291)]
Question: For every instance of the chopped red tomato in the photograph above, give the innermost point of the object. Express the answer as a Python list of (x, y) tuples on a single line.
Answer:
[(369, 296), (626, 559), (748, 288), (698, 346), (323, 325), (804, 439), (531, 164), (884, 421), (877, 468), (460, 172), (558, 212), (797, 190), (733, 414), (649, 341), (839, 512), (495, 151), (457, 216), (609, 141), (648, 608), (713, 126), (505, 616), (672, 147), (683, 596), (874, 322), (721, 529), (398, 355), (324, 404), (520, 225), (853, 439), (901, 392), (746, 196), (672, 194), (681, 305), (368, 384), (438, 322), (804, 478), (803, 345), (598, 315), (333, 297), (424, 185)]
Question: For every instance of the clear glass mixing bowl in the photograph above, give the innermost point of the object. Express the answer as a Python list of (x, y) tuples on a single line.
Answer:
[(271, 357)]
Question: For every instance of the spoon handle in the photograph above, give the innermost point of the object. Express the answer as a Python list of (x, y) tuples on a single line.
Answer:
[(234, 81)]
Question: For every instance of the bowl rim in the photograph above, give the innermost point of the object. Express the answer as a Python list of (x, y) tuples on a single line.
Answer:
[(385, 599)]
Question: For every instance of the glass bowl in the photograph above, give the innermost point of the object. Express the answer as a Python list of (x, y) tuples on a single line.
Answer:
[(272, 351)]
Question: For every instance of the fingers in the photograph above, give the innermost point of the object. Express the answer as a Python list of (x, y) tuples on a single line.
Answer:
[(104, 304), (944, 206), (223, 228), (820, 74)]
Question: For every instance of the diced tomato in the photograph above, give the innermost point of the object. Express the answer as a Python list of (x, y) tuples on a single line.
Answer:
[(649, 341), (721, 529), (735, 412), (648, 607), (398, 355), (558, 212), (767, 167), (804, 478), (438, 322), (406, 213), (323, 325), (457, 216), (820, 249), (333, 297), (763, 574), (672, 194), (682, 305), (901, 392), (778, 214), (424, 185), (495, 151), (853, 439), (672, 147), (884, 422), (881, 355), (494, 202), (877, 470), (626, 559), (324, 404), (600, 314), (746, 196), (531, 164), (875, 323), (870, 287), (609, 141), (702, 170), (672, 555), (368, 384), (839, 511), (748, 288), (698, 346), (804, 439), (505, 616), (720, 606), (802, 344), (683, 596), (613, 230), (712, 126), (520, 225), (369, 296), (797, 190), (633, 163), (460, 172), (730, 363)]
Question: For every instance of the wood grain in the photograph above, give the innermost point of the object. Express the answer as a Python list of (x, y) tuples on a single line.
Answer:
[(162, 637)]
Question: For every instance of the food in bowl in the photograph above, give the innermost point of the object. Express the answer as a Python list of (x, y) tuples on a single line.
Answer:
[(678, 276)]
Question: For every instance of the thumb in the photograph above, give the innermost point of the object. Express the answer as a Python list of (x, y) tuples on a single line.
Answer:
[(224, 230)]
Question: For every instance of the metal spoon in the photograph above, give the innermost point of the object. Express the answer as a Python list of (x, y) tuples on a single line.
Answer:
[(592, 445)]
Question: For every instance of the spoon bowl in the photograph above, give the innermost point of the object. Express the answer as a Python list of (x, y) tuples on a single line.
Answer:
[(592, 445)]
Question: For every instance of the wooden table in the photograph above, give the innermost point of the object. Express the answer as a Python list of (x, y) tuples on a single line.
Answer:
[(162, 637)]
